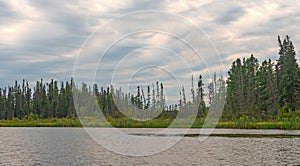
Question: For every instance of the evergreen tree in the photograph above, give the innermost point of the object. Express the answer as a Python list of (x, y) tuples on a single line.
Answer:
[(183, 96), (200, 98), (233, 91), (267, 91), (290, 82), (287, 72), (162, 99), (249, 87), (148, 97)]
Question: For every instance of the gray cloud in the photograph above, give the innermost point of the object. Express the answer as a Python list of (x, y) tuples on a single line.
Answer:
[(230, 15), (7, 14)]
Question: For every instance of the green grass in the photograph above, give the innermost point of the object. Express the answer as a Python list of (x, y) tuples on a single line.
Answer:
[(285, 123), (53, 122)]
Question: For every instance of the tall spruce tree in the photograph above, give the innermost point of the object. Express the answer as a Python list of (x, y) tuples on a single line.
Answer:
[(267, 90), (287, 72), (249, 87), (200, 98)]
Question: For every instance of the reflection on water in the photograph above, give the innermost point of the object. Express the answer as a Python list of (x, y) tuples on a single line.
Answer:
[(72, 146)]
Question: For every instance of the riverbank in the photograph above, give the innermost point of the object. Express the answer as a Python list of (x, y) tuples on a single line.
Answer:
[(284, 124)]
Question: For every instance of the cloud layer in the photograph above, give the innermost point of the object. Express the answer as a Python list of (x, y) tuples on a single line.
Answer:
[(41, 39)]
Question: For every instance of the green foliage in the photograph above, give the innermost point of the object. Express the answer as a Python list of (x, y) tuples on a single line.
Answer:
[(45, 101), (285, 112), (33, 116), (266, 92)]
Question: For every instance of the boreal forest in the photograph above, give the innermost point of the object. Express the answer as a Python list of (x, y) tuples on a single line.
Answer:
[(265, 91)]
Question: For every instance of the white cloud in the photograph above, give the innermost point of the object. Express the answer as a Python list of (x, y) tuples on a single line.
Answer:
[(182, 6)]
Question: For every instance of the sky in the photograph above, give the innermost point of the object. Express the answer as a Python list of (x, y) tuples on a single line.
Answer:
[(128, 43)]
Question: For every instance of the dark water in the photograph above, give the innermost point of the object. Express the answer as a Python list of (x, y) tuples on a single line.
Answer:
[(72, 146)]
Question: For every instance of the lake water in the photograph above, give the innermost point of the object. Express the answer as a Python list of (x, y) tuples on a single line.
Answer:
[(73, 146)]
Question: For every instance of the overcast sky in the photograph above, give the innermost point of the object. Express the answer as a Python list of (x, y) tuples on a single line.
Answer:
[(129, 43)]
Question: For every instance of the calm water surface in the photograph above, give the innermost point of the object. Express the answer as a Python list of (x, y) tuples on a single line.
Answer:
[(72, 146)]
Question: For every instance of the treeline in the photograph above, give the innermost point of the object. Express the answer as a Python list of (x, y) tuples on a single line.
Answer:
[(45, 100), (56, 100), (264, 91), (143, 104)]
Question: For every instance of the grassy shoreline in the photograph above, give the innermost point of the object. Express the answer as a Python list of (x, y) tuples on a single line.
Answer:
[(53, 122), (284, 124)]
